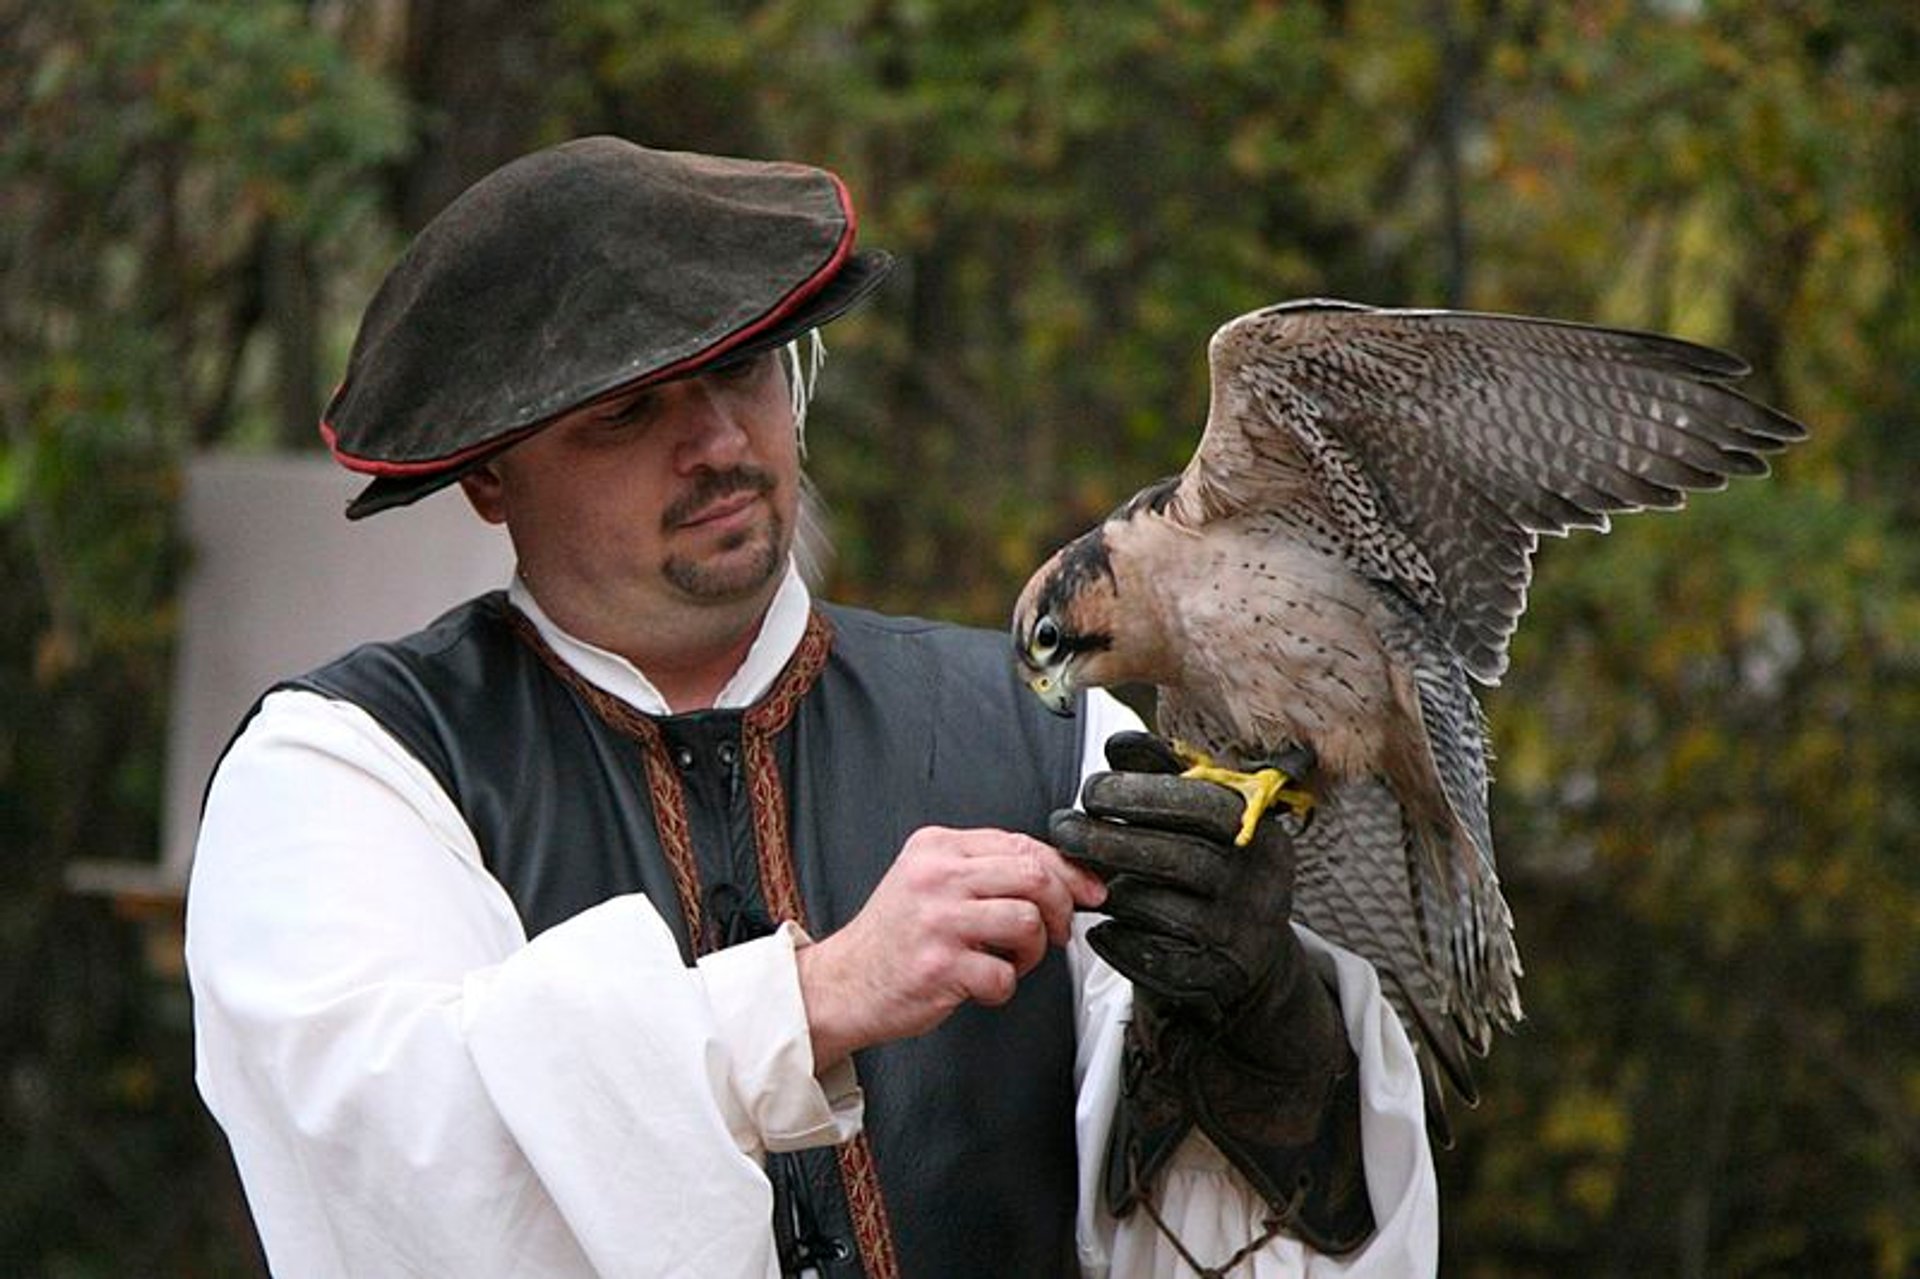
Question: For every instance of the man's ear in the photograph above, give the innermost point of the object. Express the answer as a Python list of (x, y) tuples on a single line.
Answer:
[(486, 492)]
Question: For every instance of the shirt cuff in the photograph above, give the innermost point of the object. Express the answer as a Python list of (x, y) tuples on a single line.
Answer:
[(753, 990)]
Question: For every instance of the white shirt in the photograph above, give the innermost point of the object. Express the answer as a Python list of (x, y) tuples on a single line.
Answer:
[(411, 1087)]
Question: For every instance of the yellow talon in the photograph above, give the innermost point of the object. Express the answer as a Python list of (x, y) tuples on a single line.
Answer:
[(1260, 790), (1195, 757)]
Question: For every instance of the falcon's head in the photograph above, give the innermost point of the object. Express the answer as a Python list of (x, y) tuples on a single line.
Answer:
[(1062, 624), (1072, 629)]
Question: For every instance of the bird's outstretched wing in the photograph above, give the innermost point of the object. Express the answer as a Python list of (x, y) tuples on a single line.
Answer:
[(1438, 445)]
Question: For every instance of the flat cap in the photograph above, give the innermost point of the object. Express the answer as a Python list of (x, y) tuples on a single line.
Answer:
[(574, 272)]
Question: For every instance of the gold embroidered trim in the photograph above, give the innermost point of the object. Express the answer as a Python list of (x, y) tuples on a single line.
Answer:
[(859, 1176), (872, 1231), (762, 724)]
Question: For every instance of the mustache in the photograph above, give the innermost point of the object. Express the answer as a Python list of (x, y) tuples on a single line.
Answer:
[(710, 486)]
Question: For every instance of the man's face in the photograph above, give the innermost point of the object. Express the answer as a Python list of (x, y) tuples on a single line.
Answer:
[(650, 504)]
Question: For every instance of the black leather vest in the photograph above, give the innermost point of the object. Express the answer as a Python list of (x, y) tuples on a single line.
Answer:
[(906, 724)]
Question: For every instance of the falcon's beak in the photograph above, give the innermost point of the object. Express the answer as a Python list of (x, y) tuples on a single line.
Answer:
[(1053, 689)]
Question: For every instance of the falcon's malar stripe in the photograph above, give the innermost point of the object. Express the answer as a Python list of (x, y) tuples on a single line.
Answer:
[(1085, 643)]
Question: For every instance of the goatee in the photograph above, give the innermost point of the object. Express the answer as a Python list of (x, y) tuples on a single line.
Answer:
[(727, 575)]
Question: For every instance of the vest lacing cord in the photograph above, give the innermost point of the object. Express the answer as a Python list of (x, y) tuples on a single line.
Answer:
[(738, 918), (797, 1235), (798, 1239), (1271, 1224), (1156, 1121)]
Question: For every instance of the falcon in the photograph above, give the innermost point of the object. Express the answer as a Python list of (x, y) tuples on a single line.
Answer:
[(1344, 557)]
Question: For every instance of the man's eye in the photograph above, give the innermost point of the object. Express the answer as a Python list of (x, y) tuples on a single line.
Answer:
[(633, 413), (744, 370)]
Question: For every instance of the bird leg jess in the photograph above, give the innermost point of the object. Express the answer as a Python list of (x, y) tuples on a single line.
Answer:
[(1271, 783)]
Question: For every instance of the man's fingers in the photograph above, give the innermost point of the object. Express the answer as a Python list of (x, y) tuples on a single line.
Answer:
[(1009, 929), (1025, 881), (988, 844), (960, 915), (1004, 864), (986, 979)]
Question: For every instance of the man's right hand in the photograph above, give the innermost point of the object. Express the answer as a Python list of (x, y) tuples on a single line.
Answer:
[(960, 916)]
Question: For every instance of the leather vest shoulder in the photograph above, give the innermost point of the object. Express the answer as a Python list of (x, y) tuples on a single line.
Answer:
[(909, 724)]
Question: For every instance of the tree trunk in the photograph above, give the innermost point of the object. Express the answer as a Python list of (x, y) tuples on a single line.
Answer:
[(478, 72)]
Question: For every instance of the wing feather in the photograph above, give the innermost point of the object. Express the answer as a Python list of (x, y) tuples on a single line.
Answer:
[(1442, 443), (1356, 887)]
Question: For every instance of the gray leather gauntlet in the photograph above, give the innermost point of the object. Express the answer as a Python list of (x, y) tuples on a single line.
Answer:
[(1232, 1030)]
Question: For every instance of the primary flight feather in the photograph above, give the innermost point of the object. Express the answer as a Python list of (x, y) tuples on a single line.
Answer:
[(1347, 552)]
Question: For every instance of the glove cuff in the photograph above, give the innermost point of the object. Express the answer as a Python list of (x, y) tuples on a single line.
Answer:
[(1278, 1091), (1287, 1119), (1298, 1146), (1154, 1114)]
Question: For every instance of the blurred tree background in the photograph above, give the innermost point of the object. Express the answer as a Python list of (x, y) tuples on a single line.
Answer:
[(1708, 800)]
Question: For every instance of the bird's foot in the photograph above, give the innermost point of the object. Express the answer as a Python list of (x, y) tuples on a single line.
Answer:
[(1273, 784)]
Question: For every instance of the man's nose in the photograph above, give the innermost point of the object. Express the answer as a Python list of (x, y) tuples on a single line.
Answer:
[(712, 432)]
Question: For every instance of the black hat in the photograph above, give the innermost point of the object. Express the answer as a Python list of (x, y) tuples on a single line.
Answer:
[(574, 272)]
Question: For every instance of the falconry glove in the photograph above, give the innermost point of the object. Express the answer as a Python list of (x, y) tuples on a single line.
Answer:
[(1233, 1030)]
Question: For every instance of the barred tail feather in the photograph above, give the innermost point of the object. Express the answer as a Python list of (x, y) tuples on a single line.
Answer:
[(1356, 887)]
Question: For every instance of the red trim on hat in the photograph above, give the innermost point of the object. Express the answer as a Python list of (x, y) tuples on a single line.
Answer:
[(428, 466), (795, 298)]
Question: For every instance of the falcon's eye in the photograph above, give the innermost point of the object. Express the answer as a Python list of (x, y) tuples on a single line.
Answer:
[(1046, 638)]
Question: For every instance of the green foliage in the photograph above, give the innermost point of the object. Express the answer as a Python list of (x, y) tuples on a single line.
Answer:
[(153, 153), (1710, 736), (1081, 193)]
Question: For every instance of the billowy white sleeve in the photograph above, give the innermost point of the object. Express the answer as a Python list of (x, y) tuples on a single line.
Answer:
[(411, 1087), (1201, 1198)]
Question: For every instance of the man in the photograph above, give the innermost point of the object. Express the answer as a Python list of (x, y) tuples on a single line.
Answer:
[(649, 918)]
